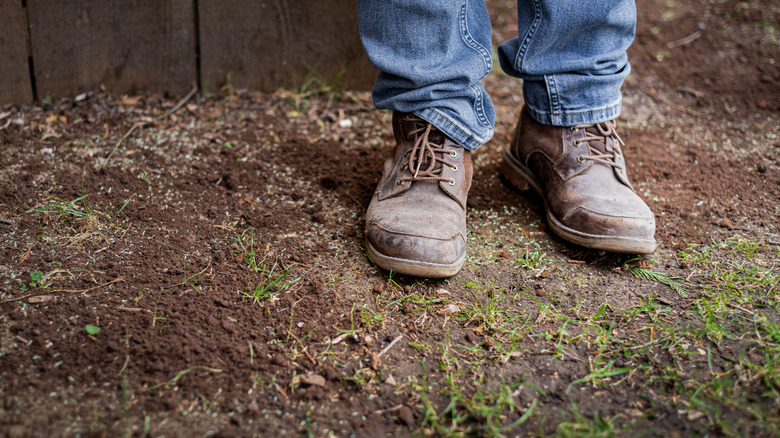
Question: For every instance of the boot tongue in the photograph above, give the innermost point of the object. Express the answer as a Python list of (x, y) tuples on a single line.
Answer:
[(608, 143), (600, 144)]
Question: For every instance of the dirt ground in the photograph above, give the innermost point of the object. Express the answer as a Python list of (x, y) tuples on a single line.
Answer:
[(195, 267)]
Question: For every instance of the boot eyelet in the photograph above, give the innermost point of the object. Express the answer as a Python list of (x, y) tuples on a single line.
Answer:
[(451, 181), (573, 129), (581, 159), (577, 143), (454, 154), (454, 168)]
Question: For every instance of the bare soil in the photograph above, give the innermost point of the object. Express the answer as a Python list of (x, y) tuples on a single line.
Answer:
[(149, 234)]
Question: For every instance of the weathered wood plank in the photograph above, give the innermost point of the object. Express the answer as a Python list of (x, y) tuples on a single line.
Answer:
[(126, 45), (15, 85), (266, 44)]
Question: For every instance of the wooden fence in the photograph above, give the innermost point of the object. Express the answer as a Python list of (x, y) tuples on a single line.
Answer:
[(62, 48)]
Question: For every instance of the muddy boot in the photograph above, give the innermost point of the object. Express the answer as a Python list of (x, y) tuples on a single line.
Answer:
[(416, 222), (581, 176)]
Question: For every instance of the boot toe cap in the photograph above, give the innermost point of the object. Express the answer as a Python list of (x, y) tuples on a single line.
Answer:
[(421, 247), (631, 232)]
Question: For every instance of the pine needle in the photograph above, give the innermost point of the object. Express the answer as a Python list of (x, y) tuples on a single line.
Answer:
[(661, 278)]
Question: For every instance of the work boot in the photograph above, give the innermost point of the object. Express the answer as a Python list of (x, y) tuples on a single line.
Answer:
[(580, 173), (416, 222)]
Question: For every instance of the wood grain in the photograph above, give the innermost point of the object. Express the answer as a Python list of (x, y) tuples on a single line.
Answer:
[(127, 46), (268, 44), (15, 85)]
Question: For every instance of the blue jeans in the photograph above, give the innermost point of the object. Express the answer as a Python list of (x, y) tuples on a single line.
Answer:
[(433, 54)]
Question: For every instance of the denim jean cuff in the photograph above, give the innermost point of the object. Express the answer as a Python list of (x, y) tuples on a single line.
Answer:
[(589, 117), (458, 132)]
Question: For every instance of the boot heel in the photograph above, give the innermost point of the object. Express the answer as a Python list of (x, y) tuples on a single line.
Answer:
[(513, 176)]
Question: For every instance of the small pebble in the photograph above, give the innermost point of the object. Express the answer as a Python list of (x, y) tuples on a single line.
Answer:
[(379, 287), (450, 308), (405, 414), (540, 293), (253, 407), (17, 431), (312, 379)]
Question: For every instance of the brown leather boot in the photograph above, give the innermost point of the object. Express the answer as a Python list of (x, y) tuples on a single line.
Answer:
[(416, 222), (581, 175)]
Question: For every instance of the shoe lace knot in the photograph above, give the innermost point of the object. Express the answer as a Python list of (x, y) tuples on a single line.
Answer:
[(601, 150), (428, 156)]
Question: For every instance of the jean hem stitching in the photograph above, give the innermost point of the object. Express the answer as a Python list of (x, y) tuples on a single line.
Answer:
[(463, 138), (602, 114)]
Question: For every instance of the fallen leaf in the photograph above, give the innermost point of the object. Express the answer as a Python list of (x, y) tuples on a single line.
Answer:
[(130, 101)]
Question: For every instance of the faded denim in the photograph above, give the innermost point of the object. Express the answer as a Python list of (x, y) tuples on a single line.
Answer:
[(433, 54)]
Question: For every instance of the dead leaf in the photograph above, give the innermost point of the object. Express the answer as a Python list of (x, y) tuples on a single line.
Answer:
[(130, 101), (694, 415)]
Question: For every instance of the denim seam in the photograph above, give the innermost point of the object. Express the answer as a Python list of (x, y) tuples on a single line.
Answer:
[(470, 41), (479, 108), (552, 93), (528, 37)]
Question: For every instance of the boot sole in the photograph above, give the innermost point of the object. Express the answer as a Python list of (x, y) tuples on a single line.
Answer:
[(413, 267), (521, 178)]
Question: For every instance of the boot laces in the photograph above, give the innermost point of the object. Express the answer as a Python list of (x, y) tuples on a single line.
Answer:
[(601, 133), (427, 157)]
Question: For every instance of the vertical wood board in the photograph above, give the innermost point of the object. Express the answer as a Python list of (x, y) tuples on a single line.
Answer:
[(266, 44), (15, 85), (126, 45)]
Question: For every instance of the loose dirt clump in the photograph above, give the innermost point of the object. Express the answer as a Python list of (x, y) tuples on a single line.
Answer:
[(196, 266)]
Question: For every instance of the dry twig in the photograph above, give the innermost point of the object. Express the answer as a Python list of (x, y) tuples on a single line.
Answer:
[(91, 288), (668, 102)]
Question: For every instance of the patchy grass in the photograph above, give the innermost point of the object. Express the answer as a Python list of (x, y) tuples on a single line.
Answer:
[(77, 222), (269, 277), (713, 360)]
